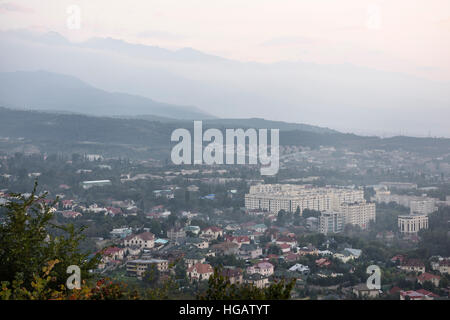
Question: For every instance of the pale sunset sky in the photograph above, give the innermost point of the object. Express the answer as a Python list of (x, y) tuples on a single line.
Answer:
[(410, 36)]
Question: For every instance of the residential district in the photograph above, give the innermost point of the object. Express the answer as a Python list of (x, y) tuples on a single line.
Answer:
[(321, 228)]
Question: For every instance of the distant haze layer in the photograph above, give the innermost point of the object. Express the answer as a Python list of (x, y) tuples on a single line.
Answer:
[(341, 96)]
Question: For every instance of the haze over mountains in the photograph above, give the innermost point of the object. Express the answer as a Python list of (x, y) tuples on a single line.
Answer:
[(343, 97), (42, 90)]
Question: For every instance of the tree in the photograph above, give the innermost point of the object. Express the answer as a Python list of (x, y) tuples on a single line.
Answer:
[(180, 270), (369, 192), (274, 249), (281, 217), (443, 283), (151, 276), (29, 240), (428, 285), (310, 213)]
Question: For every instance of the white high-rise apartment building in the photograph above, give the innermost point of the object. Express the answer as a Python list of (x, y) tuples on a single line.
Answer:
[(358, 213), (349, 203), (330, 222), (423, 206), (417, 204), (275, 197)]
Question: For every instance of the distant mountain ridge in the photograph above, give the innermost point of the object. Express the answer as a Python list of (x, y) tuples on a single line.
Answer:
[(256, 123), (141, 139), (41, 90), (63, 94), (346, 97)]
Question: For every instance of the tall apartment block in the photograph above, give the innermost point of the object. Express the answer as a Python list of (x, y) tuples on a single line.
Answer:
[(349, 203)]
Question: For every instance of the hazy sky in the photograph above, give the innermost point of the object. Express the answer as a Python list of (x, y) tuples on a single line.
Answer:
[(411, 36)]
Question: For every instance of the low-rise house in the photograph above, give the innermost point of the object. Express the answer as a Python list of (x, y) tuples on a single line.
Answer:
[(285, 248), (168, 194), (325, 252), (427, 294), (272, 256), (328, 274), (113, 211), (192, 258), (98, 183), (259, 228), (300, 269), (226, 248), (134, 251), (434, 279), (209, 252), (194, 229), (309, 250), (71, 214), (413, 265), (362, 291), (114, 253), (174, 234), (212, 233), (348, 254), (344, 257), (94, 208), (442, 265), (256, 279), (200, 271), (120, 233), (411, 295), (232, 227), (146, 240), (198, 242), (286, 240), (263, 268), (417, 295), (161, 242), (291, 257), (323, 262), (110, 255), (239, 240), (398, 258), (355, 253), (234, 275), (138, 267), (188, 214), (387, 235), (249, 251), (158, 215), (67, 204)]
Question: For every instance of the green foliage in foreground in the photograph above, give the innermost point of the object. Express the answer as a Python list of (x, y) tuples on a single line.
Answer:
[(26, 244)]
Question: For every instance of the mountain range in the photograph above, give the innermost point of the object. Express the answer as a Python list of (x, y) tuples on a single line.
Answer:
[(46, 91), (344, 97), (32, 131), (42, 90)]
